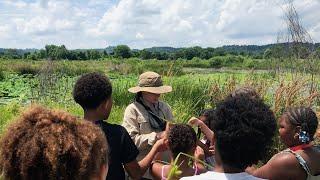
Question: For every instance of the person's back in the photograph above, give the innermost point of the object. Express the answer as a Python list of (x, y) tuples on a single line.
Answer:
[(311, 157), (122, 150), (46, 144), (211, 175)]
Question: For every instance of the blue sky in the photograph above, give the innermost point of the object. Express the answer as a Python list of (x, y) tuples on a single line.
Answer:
[(147, 23)]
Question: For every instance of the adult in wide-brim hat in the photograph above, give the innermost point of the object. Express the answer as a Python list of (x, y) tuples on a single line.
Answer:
[(150, 82), (145, 118)]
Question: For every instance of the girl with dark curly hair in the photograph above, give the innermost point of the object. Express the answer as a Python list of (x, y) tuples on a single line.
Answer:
[(181, 139)]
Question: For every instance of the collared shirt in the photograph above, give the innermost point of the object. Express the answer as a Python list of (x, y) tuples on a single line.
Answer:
[(136, 123)]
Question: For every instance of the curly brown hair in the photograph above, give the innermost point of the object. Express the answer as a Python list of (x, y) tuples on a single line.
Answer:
[(181, 138), (50, 144)]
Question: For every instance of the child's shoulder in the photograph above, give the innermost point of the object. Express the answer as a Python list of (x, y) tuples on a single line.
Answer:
[(114, 128)]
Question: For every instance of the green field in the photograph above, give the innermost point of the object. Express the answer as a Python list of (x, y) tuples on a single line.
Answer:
[(50, 84)]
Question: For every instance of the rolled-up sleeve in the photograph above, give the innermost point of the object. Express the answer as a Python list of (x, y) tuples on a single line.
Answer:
[(130, 122)]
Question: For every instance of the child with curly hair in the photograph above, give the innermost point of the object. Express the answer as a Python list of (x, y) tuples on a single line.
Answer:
[(48, 144), (301, 160), (181, 139)]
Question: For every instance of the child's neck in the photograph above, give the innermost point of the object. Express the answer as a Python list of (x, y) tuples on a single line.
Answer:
[(91, 115), (227, 169), (224, 168)]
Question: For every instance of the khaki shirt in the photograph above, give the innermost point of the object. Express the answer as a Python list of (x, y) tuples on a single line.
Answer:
[(136, 122)]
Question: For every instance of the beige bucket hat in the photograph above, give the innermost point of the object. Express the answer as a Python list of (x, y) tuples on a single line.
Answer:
[(150, 82)]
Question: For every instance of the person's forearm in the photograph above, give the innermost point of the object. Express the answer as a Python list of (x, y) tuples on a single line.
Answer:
[(206, 131), (146, 161)]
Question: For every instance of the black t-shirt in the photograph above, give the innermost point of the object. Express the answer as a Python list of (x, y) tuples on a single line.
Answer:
[(122, 149)]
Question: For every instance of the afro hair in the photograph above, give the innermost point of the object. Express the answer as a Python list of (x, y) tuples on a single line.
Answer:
[(244, 128), (91, 90)]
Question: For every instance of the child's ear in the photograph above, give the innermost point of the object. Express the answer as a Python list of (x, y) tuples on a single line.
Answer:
[(297, 131)]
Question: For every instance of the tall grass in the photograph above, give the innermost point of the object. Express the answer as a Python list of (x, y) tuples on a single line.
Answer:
[(191, 92)]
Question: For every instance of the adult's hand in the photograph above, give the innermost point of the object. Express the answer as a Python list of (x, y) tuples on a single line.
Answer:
[(160, 135), (161, 145)]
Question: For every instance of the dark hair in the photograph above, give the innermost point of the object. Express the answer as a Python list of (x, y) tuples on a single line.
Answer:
[(304, 117), (246, 91), (244, 128), (205, 112), (46, 144), (91, 90), (208, 114), (182, 138)]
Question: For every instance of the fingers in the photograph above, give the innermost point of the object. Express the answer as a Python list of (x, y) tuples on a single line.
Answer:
[(211, 151), (199, 153), (162, 145), (193, 121)]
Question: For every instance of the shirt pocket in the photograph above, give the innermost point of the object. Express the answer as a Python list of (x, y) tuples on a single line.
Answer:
[(144, 125)]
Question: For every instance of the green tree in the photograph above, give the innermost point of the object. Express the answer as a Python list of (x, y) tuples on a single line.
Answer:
[(122, 51), (42, 54), (267, 53), (318, 53), (93, 54), (145, 54), (219, 52), (56, 52)]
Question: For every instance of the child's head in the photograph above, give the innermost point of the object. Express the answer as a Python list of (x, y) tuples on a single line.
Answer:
[(46, 144), (206, 116), (247, 91), (93, 91), (244, 128), (297, 125), (181, 138)]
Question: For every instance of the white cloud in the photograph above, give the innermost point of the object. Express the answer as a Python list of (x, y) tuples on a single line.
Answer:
[(17, 4), (145, 23), (198, 22), (4, 31), (139, 36)]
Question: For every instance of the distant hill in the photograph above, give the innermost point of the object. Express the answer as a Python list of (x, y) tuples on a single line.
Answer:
[(253, 49), (18, 51), (250, 49), (163, 49)]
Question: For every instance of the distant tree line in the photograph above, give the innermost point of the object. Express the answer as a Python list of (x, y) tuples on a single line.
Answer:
[(55, 52)]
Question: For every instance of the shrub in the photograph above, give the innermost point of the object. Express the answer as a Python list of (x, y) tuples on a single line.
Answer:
[(2, 76), (228, 60), (250, 63), (216, 62), (24, 68)]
